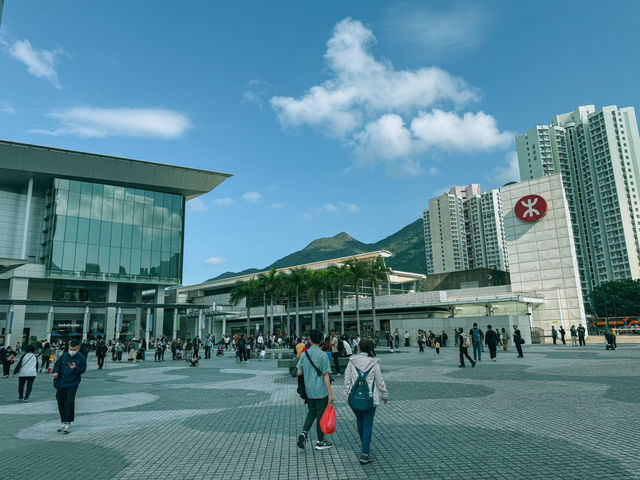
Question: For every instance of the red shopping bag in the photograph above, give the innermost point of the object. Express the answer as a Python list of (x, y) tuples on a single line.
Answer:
[(328, 420)]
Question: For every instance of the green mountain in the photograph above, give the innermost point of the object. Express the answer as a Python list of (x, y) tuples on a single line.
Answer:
[(407, 246)]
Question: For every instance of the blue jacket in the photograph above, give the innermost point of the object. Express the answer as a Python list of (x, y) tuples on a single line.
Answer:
[(69, 377)]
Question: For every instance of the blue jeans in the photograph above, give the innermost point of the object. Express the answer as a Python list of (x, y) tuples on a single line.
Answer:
[(477, 347), (365, 427)]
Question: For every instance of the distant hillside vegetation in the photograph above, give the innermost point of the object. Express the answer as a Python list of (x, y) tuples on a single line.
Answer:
[(407, 246)]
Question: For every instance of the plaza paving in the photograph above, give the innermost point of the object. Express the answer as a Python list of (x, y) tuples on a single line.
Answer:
[(561, 412)]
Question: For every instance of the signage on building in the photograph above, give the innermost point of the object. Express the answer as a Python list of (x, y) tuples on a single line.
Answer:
[(531, 208)]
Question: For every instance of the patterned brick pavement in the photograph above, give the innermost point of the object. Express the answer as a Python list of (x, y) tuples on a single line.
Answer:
[(561, 412)]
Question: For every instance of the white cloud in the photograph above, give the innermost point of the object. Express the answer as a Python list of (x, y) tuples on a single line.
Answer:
[(7, 108), (215, 260), (223, 202), (339, 208), (122, 122), (306, 216), (350, 207), (438, 31), (388, 116), (40, 63), (196, 205), (508, 173), (256, 93), (276, 205), (252, 197)]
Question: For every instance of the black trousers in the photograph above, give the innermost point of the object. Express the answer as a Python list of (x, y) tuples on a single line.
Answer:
[(66, 398), (582, 342), (492, 350), (336, 361), (100, 361), (519, 349), (564, 342), (6, 367), (316, 407), (464, 352), (21, 382), (207, 352), (555, 339), (158, 356), (45, 362)]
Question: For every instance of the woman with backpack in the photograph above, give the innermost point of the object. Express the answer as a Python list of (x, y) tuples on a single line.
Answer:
[(26, 369), (364, 387), (465, 343)]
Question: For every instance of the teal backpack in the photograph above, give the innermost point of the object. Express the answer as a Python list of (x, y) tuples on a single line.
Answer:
[(360, 397)]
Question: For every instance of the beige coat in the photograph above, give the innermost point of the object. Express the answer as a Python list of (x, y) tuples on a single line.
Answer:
[(363, 362)]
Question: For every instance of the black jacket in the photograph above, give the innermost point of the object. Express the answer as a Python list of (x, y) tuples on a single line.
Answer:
[(490, 338)]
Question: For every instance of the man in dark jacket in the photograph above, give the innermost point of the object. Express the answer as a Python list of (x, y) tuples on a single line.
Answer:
[(67, 374), (518, 341), (491, 341), (101, 353), (563, 332)]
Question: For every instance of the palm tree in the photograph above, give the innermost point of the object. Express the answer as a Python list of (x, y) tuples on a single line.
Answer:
[(378, 273), (247, 291), (339, 276), (298, 277), (263, 287), (313, 286), (357, 270), (285, 288), (326, 288), (272, 291)]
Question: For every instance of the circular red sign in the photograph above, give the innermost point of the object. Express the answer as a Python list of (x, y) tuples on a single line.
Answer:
[(531, 208)]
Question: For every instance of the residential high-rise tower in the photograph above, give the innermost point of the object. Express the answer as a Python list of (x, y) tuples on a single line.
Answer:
[(597, 154)]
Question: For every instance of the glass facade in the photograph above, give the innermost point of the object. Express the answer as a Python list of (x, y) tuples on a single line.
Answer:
[(116, 233)]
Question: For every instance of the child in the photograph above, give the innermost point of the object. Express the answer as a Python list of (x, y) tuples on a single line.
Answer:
[(438, 348), (263, 354)]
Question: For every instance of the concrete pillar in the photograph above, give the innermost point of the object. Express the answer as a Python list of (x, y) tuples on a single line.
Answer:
[(85, 323), (119, 320), (224, 325), (174, 331), (110, 312), (200, 321), (137, 325), (27, 214), (148, 326), (49, 324), (18, 290), (158, 320)]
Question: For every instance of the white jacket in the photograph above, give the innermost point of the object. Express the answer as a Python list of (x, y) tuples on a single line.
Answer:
[(28, 365), (363, 362)]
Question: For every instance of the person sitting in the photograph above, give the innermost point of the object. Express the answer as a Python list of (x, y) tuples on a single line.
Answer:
[(194, 361)]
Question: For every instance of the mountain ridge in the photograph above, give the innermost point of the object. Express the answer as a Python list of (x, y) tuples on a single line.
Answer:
[(406, 245)]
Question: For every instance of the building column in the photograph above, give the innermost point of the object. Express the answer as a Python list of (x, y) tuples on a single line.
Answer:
[(110, 312), (147, 329), (18, 290), (200, 320), (158, 320), (85, 323), (137, 325), (27, 214), (175, 324), (224, 325), (119, 320), (49, 324)]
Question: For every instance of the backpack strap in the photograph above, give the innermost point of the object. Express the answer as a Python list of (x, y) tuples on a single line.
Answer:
[(306, 352)]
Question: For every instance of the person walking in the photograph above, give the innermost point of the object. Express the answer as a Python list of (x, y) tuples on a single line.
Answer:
[(581, 336), (119, 349), (46, 357), (335, 350), (158, 355), (491, 341), (208, 343), (364, 365), (444, 337), (406, 338), (396, 337), (6, 358), (133, 350), (420, 340), (314, 367), (554, 335), (563, 333), (505, 339), (67, 373), (26, 369), (477, 337), (518, 340), (465, 342), (101, 353)]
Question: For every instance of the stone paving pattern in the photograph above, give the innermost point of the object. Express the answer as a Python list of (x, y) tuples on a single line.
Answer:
[(559, 413)]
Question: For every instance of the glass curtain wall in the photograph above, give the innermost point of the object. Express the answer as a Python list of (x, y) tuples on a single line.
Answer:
[(115, 233)]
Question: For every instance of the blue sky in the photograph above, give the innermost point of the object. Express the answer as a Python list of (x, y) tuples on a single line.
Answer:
[(332, 116)]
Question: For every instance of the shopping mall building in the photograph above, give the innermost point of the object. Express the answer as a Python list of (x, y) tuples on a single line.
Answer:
[(89, 243)]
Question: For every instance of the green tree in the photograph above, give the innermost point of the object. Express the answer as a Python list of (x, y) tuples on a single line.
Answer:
[(247, 291), (339, 277), (377, 274), (285, 290), (298, 277), (358, 271), (313, 286), (616, 299)]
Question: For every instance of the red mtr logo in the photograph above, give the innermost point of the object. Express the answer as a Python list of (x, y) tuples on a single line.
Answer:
[(531, 208)]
